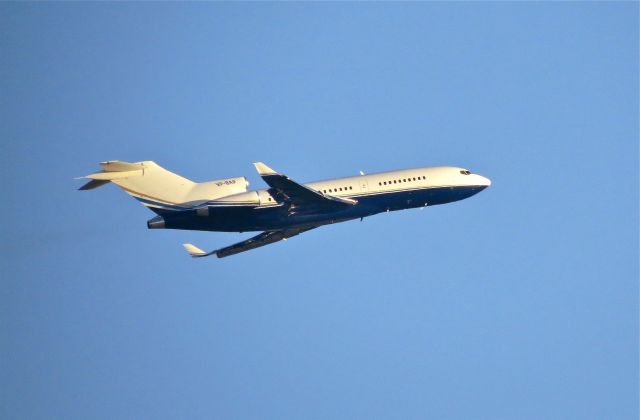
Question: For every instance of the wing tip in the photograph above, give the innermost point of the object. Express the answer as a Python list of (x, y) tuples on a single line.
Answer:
[(263, 169), (193, 250)]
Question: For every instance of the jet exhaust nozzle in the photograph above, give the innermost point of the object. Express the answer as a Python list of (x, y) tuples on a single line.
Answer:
[(156, 223)]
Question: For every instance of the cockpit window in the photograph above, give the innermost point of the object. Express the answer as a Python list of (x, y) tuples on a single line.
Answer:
[(465, 172)]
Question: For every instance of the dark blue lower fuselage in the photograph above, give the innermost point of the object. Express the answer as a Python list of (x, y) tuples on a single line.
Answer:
[(244, 218)]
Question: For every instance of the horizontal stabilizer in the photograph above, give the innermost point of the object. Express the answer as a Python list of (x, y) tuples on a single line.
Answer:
[(110, 176), (120, 166), (112, 170), (94, 183)]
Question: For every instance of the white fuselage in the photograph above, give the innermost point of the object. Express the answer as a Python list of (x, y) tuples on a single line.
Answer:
[(376, 183)]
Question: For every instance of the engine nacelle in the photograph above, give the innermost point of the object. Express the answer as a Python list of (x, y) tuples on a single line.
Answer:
[(266, 199)]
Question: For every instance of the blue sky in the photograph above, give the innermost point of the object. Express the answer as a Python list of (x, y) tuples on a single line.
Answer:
[(521, 302)]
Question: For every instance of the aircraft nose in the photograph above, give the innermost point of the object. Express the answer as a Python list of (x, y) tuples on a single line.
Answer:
[(483, 181)]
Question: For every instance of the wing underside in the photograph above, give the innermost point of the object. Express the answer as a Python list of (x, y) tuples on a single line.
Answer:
[(265, 238)]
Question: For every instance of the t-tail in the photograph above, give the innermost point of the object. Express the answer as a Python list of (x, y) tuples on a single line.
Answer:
[(159, 189)]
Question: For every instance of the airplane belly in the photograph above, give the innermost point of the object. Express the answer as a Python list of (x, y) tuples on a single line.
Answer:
[(216, 219), (247, 218)]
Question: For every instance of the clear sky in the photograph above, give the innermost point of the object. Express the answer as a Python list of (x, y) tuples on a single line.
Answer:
[(521, 302)]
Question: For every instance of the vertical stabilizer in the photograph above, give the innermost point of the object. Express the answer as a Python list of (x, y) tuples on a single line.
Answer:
[(160, 189)]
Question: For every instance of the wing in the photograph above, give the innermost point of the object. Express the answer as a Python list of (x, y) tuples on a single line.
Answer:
[(289, 191), (265, 238)]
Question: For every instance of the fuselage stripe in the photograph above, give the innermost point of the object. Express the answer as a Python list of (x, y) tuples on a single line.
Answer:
[(159, 205), (148, 197)]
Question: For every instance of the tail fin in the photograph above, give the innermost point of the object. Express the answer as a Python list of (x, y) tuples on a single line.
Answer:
[(160, 189)]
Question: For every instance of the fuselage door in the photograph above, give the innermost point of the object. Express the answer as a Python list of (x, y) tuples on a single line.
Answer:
[(363, 185)]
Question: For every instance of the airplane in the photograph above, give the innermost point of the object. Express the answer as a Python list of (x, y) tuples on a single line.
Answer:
[(287, 208)]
